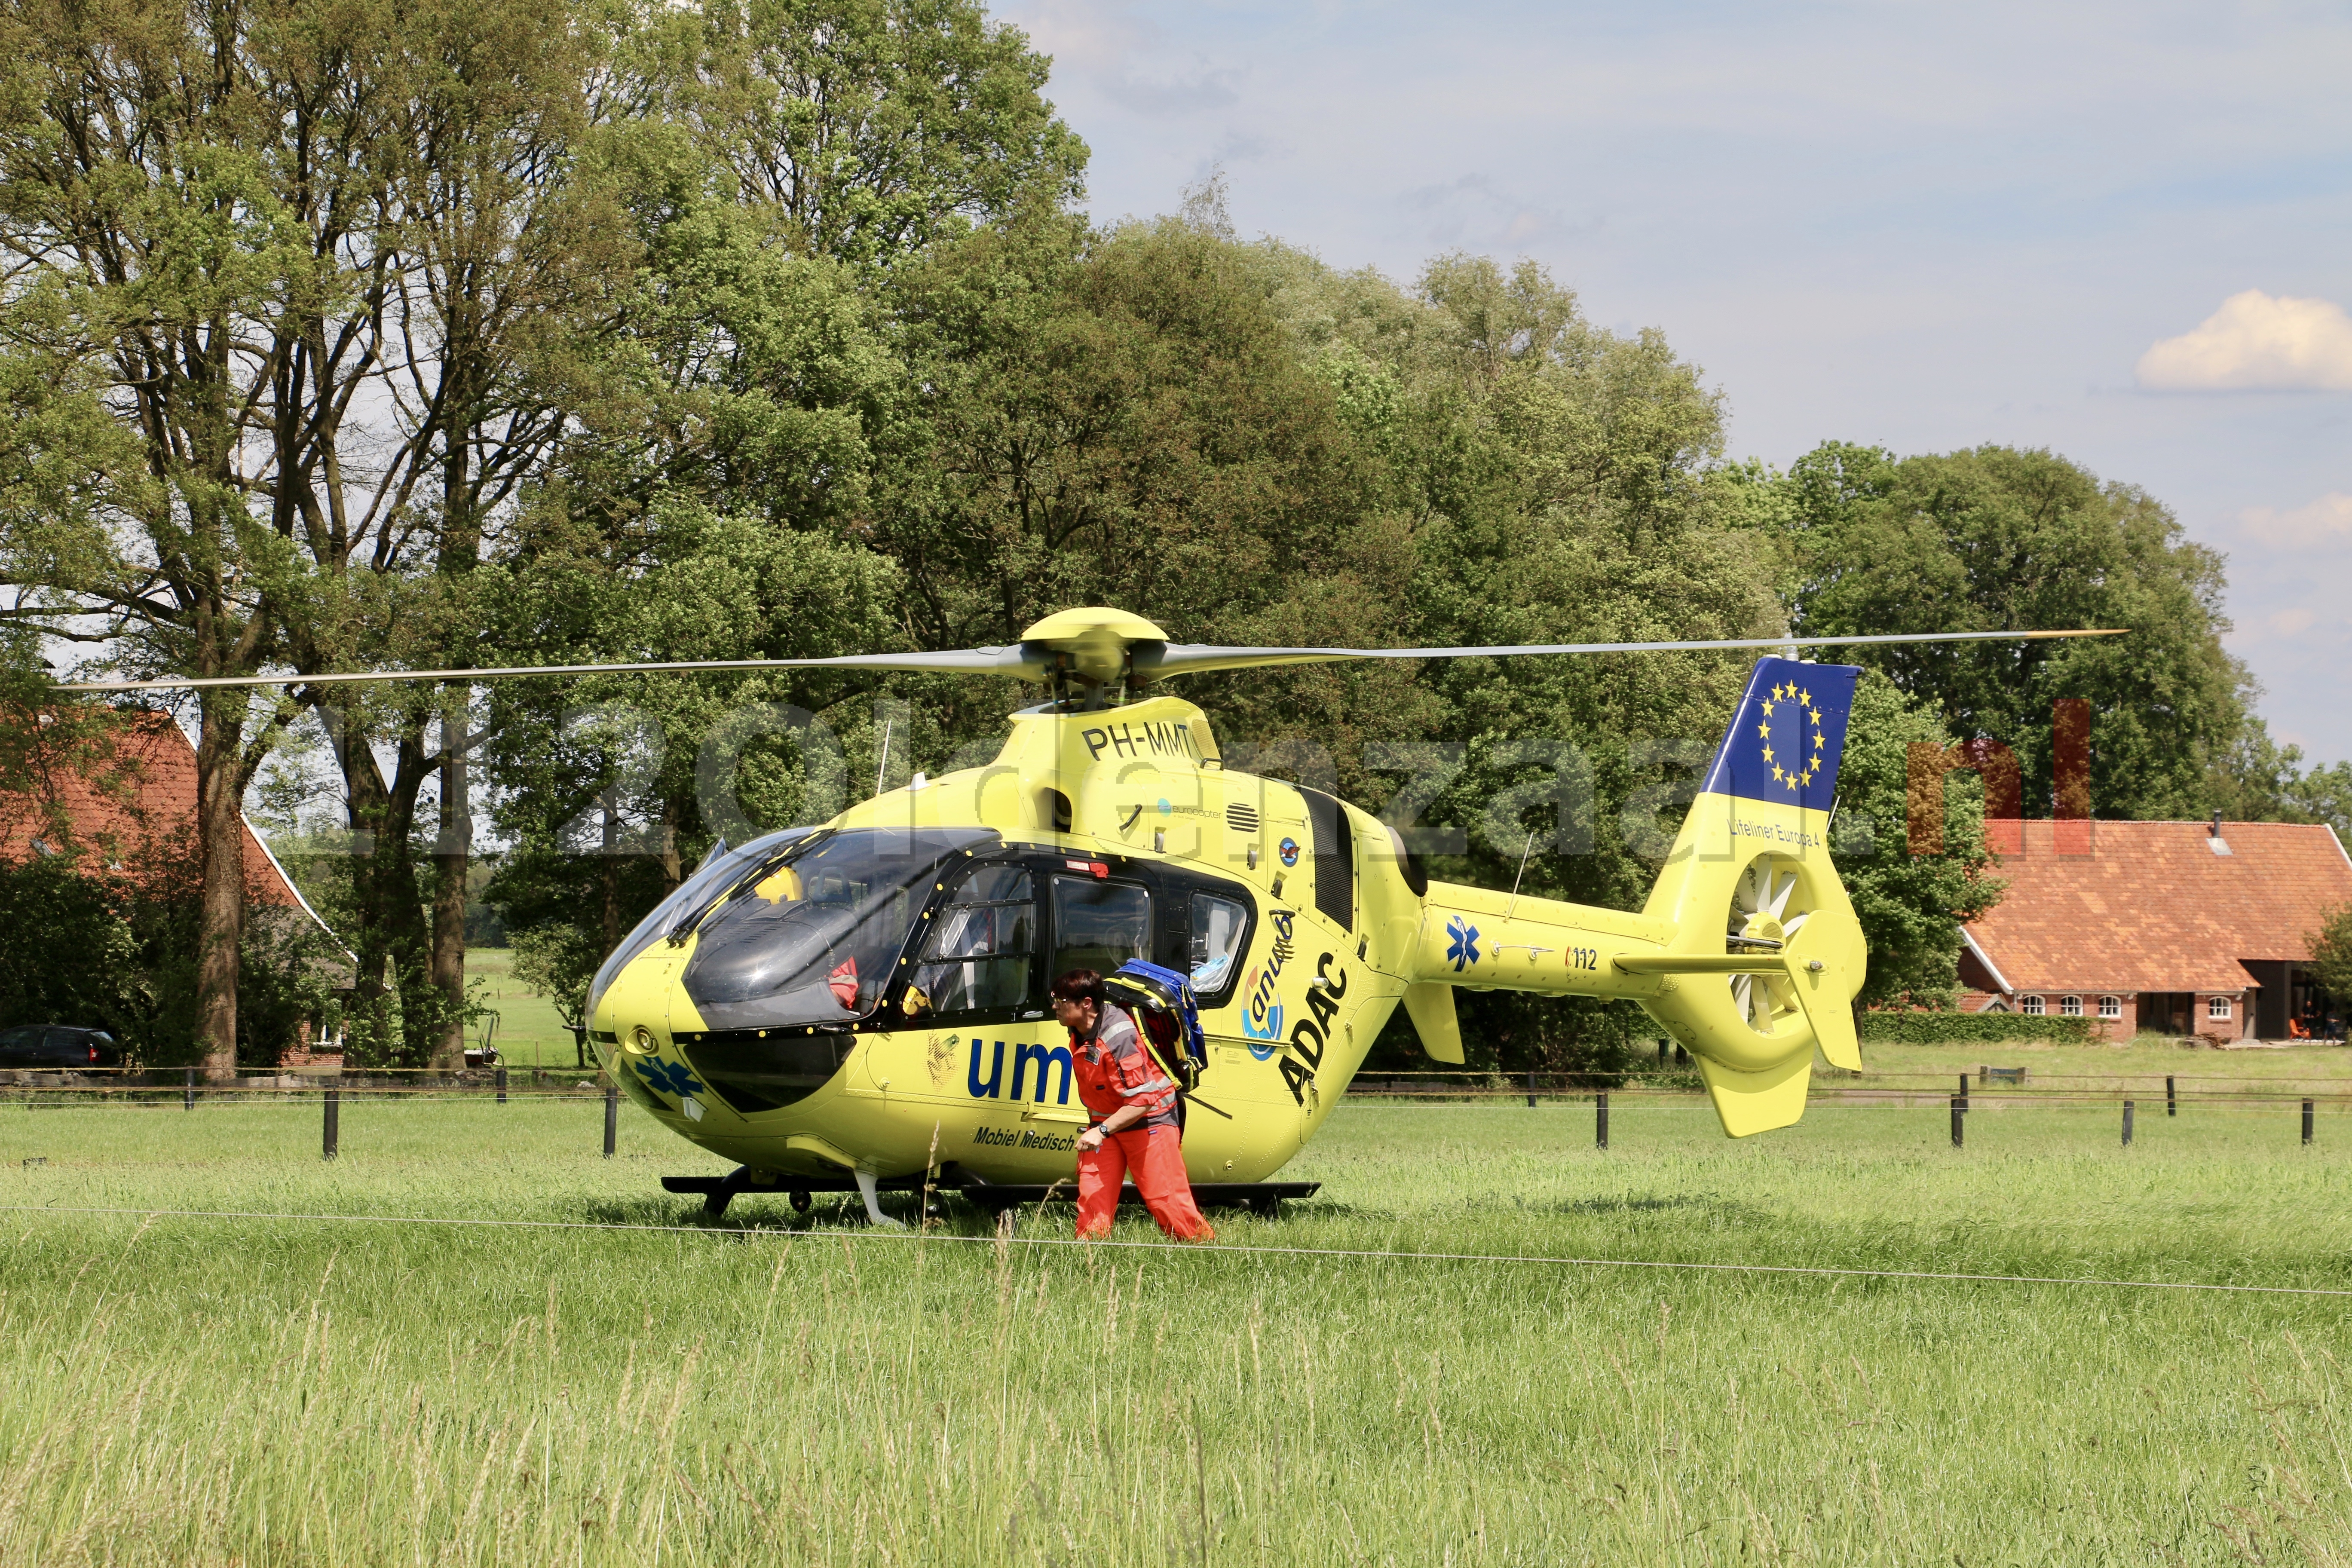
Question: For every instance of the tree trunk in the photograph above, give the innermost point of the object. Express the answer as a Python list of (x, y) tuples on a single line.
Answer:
[(612, 873), (384, 875), (451, 858), (220, 833)]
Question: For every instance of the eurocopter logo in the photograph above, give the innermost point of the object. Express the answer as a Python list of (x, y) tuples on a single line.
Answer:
[(1461, 944), (1262, 1014)]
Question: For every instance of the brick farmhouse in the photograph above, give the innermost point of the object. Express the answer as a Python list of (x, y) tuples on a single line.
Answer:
[(2179, 928)]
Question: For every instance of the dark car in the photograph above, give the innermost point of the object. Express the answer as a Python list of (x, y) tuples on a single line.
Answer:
[(57, 1045)]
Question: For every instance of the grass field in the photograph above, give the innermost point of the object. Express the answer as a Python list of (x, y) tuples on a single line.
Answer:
[(528, 1031), (298, 1390)]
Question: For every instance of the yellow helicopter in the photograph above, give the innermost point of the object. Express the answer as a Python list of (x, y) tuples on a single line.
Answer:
[(866, 1003), (862, 1006)]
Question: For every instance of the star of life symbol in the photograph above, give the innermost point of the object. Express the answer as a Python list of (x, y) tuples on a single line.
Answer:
[(668, 1076), (1796, 771), (1461, 944)]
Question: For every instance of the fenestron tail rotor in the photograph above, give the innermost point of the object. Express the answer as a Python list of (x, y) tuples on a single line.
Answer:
[(1763, 918), (1100, 650)]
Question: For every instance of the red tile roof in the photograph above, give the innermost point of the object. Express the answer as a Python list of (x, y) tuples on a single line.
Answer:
[(139, 808), (2154, 908)]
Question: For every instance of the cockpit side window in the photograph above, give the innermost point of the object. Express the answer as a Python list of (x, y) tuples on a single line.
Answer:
[(1219, 925), (979, 952), (1099, 925)]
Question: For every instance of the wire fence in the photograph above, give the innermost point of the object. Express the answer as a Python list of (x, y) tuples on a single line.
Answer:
[(189, 1087)]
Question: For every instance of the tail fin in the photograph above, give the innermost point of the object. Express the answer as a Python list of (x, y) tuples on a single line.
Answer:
[(1765, 955)]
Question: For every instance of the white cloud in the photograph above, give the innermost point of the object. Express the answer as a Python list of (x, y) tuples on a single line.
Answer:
[(2328, 520), (2257, 342)]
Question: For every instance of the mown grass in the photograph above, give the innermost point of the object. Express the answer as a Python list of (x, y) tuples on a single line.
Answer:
[(184, 1390)]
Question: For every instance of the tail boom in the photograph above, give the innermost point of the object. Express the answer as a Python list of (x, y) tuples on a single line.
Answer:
[(1747, 952)]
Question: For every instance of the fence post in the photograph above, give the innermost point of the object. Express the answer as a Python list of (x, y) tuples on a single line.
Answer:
[(1531, 1088), (502, 1086), (612, 1115), (188, 1091), (1959, 1106), (2306, 1122), (330, 1131), (1601, 1120), (2127, 1121), (2171, 1100)]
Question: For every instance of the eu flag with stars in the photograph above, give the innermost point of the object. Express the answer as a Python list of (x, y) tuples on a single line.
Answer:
[(1783, 744)]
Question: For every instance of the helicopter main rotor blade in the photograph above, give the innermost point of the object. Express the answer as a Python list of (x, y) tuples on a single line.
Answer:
[(1183, 659), (1013, 660), (1035, 662)]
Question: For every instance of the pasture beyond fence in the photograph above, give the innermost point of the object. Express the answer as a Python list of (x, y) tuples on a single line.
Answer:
[(184, 1089)]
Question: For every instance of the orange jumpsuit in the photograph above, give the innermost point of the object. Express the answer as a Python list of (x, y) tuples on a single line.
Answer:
[(1113, 1069)]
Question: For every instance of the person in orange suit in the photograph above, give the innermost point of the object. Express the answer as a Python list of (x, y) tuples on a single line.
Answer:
[(1133, 1104)]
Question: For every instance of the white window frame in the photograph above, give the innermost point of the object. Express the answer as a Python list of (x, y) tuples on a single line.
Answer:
[(2070, 1006), (2111, 1006), (2218, 1009), (2030, 1005)]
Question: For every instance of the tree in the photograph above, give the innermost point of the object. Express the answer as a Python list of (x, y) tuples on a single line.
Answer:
[(162, 278), (2257, 780), (318, 277), (2331, 955), (1998, 539), (1911, 906), (603, 785), (869, 128)]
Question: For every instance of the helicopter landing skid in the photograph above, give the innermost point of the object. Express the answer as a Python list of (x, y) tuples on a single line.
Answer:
[(1262, 1198), (718, 1192)]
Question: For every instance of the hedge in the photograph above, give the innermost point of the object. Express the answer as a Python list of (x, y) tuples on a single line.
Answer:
[(1970, 1029)]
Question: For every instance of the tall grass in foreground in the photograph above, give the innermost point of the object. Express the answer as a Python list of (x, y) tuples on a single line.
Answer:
[(197, 1391)]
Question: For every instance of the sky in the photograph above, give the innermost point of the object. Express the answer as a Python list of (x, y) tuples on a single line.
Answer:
[(2122, 232)]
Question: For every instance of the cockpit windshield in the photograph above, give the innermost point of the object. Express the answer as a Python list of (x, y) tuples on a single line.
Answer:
[(718, 871), (812, 935)]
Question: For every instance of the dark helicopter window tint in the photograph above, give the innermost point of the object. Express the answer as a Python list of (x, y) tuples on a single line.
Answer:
[(812, 936), (982, 943), (1099, 925), (1335, 857), (710, 878), (1218, 926)]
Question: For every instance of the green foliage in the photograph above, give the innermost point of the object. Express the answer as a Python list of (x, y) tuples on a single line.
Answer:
[(1911, 906), (1913, 1028), (2257, 780), (2331, 955), (113, 949), (869, 129), (64, 948), (1998, 539), (768, 328)]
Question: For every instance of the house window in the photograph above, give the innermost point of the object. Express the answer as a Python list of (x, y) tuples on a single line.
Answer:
[(2030, 1005), (2217, 1006), (2111, 1006), (2070, 1006)]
